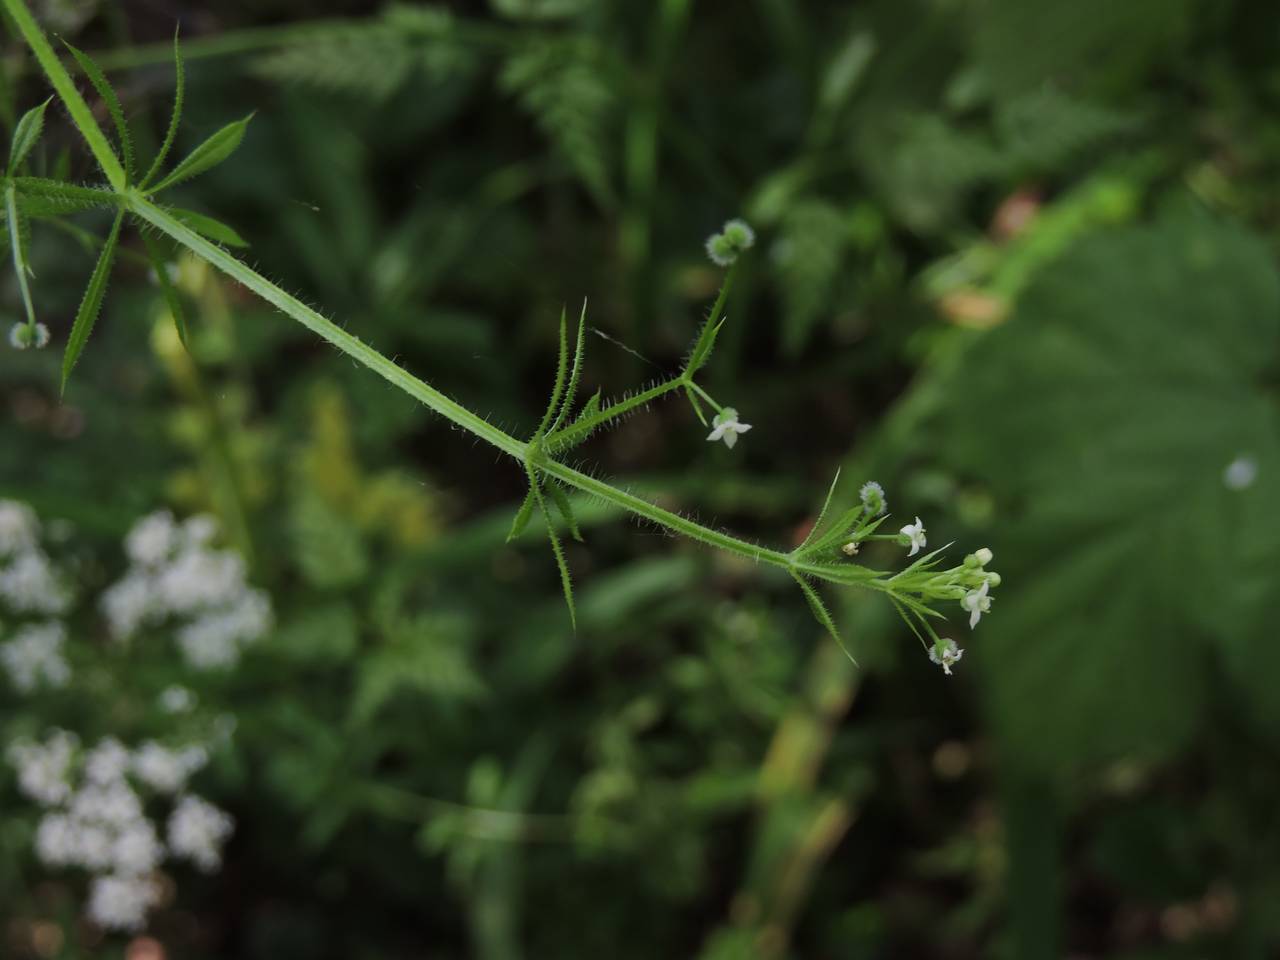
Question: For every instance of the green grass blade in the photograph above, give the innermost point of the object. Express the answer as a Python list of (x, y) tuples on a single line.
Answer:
[(108, 95), (25, 135), (19, 251), (92, 302), (174, 118), (170, 294), (821, 614), (65, 87), (206, 156)]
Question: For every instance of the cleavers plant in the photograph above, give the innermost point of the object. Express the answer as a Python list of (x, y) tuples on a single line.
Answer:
[(825, 555)]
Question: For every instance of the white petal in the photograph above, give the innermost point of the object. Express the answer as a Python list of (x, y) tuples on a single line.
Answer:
[(974, 617), (717, 433), (730, 438)]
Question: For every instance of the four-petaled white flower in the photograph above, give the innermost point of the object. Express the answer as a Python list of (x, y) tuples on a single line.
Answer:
[(977, 603), (914, 532), (946, 654), (727, 427)]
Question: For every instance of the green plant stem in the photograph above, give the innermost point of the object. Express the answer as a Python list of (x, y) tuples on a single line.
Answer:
[(158, 218), (15, 244)]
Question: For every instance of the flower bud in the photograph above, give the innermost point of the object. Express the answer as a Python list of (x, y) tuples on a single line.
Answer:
[(984, 556), (872, 496)]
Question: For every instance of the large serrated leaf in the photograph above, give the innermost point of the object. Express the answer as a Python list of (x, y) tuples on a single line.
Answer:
[(91, 303), (1105, 415), (206, 156)]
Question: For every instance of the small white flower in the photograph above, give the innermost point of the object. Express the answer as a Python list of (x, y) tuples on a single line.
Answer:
[(914, 532), (946, 654), (977, 603), (121, 902), (850, 549), (727, 427), (197, 830)]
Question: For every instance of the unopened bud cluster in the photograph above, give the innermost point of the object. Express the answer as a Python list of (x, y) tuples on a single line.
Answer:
[(735, 238)]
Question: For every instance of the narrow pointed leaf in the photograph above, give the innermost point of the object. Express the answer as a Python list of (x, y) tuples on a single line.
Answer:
[(171, 297), (817, 523), (92, 302), (108, 95), (701, 352), (566, 510), (575, 375), (209, 227), (174, 118), (25, 135), (562, 369), (591, 407), (696, 404), (820, 613), (566, 581), (523, 515), (209, 154)]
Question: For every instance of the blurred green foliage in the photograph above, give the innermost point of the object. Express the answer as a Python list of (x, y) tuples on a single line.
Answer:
[(1017, 261)]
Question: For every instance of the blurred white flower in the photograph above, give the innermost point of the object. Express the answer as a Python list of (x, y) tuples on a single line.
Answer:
[(44, 769), (165, 770), (34, 657), (727, 427), (18, 527), (152, 539), (121, 902), (197, 830), (137, 849), (177, 699), (107, 762), (115, 804), (1240, 473), (914, 532), (30, 585), (215, 639)]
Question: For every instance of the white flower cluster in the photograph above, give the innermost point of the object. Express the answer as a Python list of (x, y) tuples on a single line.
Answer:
[(176, 573), (95, 818), (28, 582), (33, 657)]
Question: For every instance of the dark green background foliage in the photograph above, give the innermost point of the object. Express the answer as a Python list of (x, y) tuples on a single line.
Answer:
[(1016, 260)]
